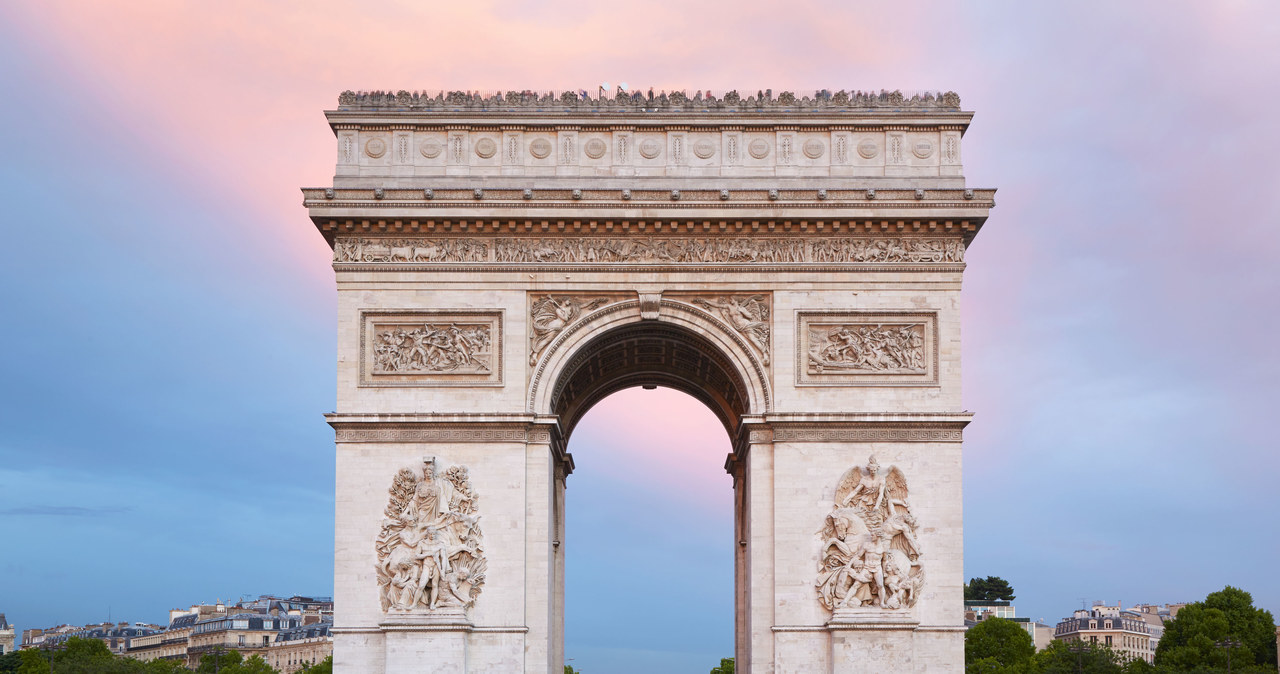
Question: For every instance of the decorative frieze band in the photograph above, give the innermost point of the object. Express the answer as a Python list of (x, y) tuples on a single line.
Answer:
[(870, 433), (410, 433), (652, 250)]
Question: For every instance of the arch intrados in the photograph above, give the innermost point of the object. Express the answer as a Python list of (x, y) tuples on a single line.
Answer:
[(615, 348), (715, 386)]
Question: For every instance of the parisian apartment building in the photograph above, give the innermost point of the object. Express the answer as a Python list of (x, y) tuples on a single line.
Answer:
[(1128, 632), (288, 633)]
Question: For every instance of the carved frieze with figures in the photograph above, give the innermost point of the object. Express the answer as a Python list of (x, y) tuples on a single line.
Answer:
[(871, 555), (430, 548), (651, 250), (410, 250), (431, 348), (866, 348)]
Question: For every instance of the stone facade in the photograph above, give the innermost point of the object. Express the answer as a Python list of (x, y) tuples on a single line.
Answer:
[(1124, 631), (299, 647), (8, 636), (504, 262)]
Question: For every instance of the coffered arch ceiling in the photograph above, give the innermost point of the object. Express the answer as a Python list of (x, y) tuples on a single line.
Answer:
[(649, 354)]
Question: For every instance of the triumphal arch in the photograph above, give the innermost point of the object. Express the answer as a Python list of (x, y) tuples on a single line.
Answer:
[(505, 261)]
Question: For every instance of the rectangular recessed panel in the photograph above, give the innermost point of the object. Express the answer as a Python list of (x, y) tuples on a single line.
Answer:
[(431, 348), (849, 348)]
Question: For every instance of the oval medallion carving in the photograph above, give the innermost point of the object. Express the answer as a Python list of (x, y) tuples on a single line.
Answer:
[(868, 149), (759, 148), (430, 149), (595, 148), (703, 149), (486, 148), (650, 148), (376, 147), (922, 149), (814, 148), (540, 148)]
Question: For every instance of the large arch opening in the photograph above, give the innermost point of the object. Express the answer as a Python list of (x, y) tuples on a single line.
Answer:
[(649, 553), (650, 556)]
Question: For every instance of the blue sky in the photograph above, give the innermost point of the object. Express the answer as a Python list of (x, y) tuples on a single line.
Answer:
[(169, 310)]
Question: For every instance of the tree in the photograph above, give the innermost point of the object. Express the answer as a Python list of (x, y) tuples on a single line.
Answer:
[(325, 666), (164, 667), (1058, 658), (9, 662), (219, 662), (34, 661), (1190, 639), (998, 645), (725, 667), (254, 665), (568, 669), (991, 588)]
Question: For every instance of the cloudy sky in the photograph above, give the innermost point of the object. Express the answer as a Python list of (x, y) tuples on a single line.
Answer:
[(168, 309)]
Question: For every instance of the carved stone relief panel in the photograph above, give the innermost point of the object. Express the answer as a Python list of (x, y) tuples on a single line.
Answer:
[(870, 552), (430, 549), (840, 348), (456, 347), (651, 250), (887, 250), (352, 249), (347, 141)]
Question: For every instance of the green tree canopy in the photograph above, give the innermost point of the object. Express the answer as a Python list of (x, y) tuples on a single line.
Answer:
[(325, 666), (1190, 639), (84, 656), (9, 662), (991, 588), (725, 667), (1058, 658), (997, 645)]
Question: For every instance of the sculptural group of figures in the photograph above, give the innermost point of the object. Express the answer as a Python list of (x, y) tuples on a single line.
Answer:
[(430, 553), (650, 249), (870, 554), (432, 348), (867, 347), (888, 250), (409, 250), (624, 99)]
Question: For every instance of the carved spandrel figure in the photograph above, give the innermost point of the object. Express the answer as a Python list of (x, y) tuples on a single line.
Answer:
[(430, 554), (870, 551), (749, 316), (549, 315)]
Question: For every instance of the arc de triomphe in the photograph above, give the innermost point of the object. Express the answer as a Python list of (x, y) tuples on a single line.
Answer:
[(504, 262)]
